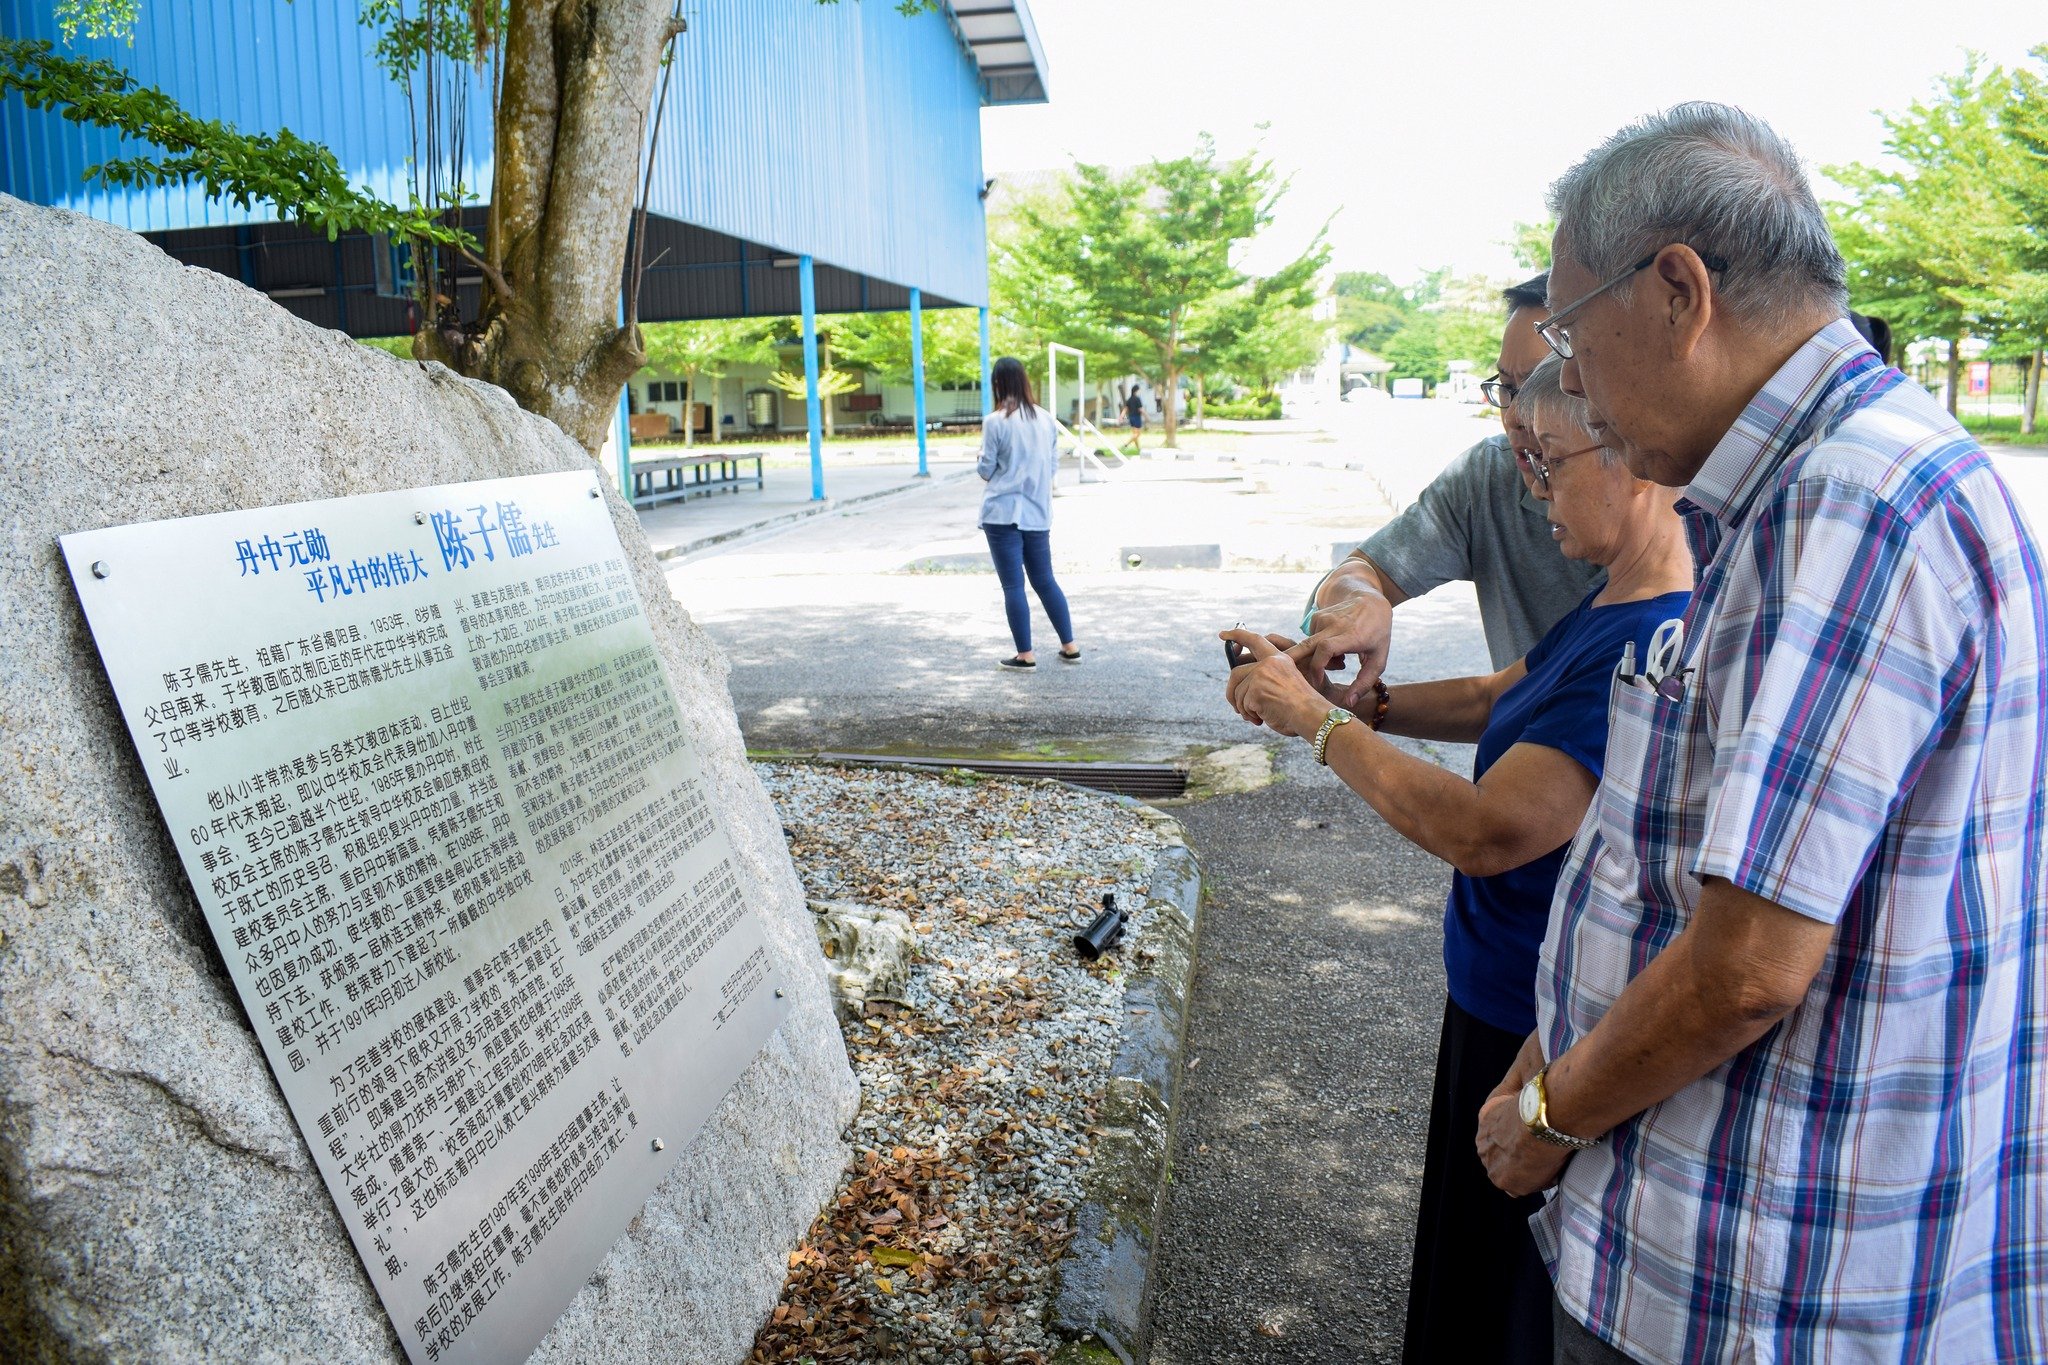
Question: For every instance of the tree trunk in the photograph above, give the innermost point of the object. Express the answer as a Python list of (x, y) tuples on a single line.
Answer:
[(1200, 394), (689, 408), (1955, 372), (825, 399), (717, 431), (579, 77), (2033, 399), (1170, 419)]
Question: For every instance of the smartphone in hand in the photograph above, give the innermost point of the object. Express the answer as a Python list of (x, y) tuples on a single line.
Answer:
[(1235, 653)]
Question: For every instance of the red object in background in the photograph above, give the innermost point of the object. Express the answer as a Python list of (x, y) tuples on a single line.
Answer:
[(1980, 377)]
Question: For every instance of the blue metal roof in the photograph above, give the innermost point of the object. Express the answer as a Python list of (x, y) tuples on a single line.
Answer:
[(847, 132)]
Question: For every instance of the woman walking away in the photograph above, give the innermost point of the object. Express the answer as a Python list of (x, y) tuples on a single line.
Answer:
[(1019, 455), (1134, 413)]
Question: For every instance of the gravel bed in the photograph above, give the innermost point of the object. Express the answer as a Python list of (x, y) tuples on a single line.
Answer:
[(980, 1092)]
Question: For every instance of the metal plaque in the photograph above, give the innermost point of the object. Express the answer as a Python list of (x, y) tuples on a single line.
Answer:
[(431, 786)]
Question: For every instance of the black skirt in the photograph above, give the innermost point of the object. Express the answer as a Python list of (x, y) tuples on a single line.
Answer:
[(1478, 1290)]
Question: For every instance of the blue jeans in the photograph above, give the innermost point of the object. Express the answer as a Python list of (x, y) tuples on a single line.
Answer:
[(1027, 554)]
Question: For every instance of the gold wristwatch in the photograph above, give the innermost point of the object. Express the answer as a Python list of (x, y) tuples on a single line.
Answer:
[(1338, 716), (1535, 1110)]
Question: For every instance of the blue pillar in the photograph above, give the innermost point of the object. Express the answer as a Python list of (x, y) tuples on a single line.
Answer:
[(988, 401), (625, 444), (809, 285), (625, 437), (917, 374)]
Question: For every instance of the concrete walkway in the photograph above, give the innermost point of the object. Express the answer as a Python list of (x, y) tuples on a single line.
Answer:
[(676, 529)]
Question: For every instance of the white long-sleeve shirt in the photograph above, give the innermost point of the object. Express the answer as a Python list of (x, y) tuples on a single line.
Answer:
[(1019, 456)]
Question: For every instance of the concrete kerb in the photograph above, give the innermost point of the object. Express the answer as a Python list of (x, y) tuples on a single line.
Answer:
[(1104, 1301), (769, 525)]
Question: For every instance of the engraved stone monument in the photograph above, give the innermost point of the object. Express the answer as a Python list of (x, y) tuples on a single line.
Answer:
[(400, 958)]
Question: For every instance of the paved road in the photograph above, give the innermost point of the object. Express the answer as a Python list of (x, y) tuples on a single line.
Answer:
[(1320, 987)]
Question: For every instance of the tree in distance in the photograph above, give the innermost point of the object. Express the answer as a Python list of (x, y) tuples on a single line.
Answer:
[(1939, 244), (706, 350), (1143, 261)]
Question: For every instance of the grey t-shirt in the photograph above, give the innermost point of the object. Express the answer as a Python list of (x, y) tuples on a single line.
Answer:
[(1477, 521)]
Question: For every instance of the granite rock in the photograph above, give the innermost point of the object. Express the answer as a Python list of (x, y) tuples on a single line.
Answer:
[(156, 1200), (869, 949)]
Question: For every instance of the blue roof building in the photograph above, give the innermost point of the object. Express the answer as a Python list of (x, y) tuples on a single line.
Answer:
[(812, 158)]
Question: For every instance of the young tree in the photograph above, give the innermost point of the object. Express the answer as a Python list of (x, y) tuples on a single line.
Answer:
[(831, 383), (1928, 244), (1033, 299), (1530, 243), (708, 350), (879, 343), (1145, 252), (574, 89), (2025, 290), (1371, 308)]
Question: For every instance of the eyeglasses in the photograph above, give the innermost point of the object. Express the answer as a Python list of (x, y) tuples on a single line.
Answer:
[(1543, 466), (1499, 392), (1558, 337)]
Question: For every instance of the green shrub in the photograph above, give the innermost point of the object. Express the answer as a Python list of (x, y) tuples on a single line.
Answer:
[(1251, 407)]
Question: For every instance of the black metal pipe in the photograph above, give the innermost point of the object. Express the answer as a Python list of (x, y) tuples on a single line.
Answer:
[(1103, 931)]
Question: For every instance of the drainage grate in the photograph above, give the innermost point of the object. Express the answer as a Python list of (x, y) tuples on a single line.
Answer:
[(1154, 781)]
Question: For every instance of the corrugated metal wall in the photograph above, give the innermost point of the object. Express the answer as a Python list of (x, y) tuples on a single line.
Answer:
[(846, 131), (261, 65)]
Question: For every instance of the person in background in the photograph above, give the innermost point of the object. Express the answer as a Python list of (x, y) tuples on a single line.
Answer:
[(1479, 1291), (1876, 331), (1134, 414), (1019, 456), (1478, 521), (1790, 1077)]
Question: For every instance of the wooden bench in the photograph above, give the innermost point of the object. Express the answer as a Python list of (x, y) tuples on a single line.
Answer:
[(673, 478)]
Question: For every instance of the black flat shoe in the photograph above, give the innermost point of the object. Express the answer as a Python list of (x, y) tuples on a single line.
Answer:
[(1072, 658), (1019, 661)]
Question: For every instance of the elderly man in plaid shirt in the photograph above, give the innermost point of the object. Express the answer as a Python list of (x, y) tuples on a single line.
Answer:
[(1790, 1074)]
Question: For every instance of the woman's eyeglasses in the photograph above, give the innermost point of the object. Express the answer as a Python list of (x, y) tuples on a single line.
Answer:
[(1542, 465)]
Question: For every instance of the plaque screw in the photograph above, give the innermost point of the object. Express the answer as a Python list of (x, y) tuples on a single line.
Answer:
[(778, 992), (100, 569), (595, 494), (419, 518), (658, 1145)]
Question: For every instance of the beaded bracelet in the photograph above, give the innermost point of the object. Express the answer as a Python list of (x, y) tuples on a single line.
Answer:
[(1379, 711)]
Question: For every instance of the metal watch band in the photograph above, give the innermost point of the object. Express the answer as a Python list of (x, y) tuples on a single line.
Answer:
[(1338, 716), (1541, 1127)]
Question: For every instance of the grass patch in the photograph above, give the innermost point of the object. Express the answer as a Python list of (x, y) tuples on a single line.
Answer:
[(2003, 431)]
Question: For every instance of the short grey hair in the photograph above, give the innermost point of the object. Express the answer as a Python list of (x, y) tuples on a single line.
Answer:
[(1715, 179), (1543, 395)]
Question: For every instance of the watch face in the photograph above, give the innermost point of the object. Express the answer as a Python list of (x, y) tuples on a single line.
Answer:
[(1531, 1104)]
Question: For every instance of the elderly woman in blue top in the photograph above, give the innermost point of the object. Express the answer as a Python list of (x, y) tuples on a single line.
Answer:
[(1019, 456), (1479, 1290)]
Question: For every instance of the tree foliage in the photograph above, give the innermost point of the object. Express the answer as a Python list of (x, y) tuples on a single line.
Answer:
[(706, 350), (1422, 327), (1947, 240), (880, 344), (1530, 243), (1142, 264)]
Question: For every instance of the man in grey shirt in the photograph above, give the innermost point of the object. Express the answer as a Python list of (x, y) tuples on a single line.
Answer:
[(1478, 521)]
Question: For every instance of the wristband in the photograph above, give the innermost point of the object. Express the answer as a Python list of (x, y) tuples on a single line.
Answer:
[(1379, 710)]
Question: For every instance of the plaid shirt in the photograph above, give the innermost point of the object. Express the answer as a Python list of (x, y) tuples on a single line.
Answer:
[(1860, 739)]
